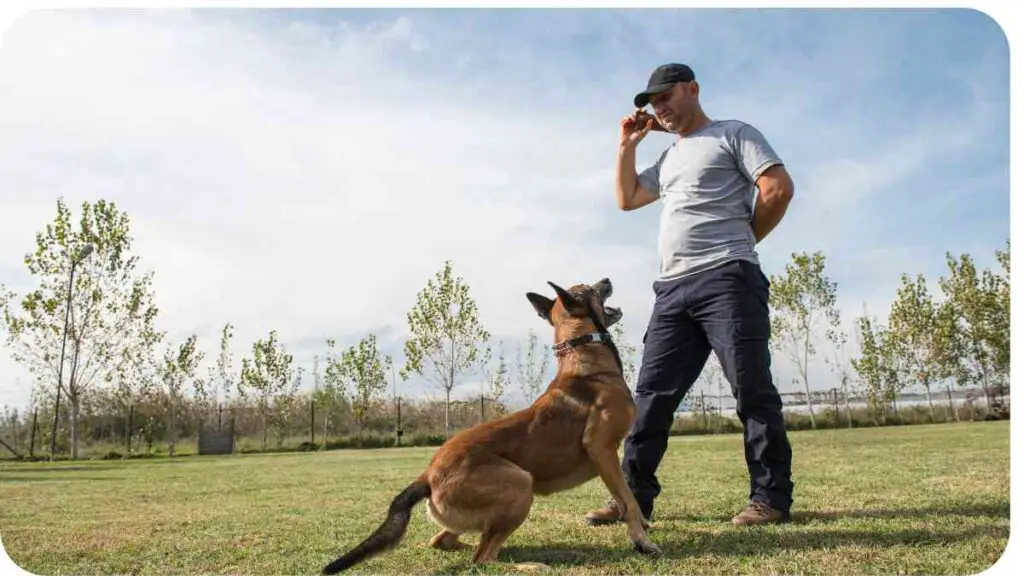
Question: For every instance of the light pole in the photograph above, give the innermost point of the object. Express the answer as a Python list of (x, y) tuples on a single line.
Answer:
[(86, 250)]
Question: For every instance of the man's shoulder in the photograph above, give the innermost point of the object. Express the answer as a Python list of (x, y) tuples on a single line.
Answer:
[(733, 126)]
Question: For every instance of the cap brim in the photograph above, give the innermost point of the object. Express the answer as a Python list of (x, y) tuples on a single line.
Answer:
[(644, 98)]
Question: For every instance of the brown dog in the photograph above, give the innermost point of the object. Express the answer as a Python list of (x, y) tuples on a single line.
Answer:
[(484, 478)]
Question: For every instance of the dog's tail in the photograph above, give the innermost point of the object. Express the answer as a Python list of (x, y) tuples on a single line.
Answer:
[(389, 533)]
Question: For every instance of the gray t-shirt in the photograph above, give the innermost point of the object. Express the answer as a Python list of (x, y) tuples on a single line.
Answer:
[(706, 184)]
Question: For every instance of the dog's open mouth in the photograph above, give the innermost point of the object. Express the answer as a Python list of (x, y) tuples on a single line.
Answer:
[(612, 315)]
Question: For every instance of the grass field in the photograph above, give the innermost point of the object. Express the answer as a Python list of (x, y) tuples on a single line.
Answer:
[(918, 499)]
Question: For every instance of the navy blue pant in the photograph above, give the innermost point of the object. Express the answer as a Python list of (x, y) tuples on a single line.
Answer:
[(724, 310)]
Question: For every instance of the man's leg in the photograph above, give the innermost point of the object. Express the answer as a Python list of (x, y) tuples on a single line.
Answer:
[(675, 350), (732, 305)]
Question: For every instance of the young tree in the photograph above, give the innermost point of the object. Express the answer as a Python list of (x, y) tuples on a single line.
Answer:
[(363, 367), (530, 374), (894, 368), (284, 407), (324, 396), (999, 334), (265, 376), (446, 334), (222, 374), (179, 366), (110, 303), (713, 377), (870, 365), (839, 365), (331, 392), (627, 352), (138, 373), (918, 324), (976, 303), (497, 379), (804, 303)]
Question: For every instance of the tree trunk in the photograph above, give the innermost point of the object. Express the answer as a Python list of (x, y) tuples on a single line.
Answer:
[(896, 408), (952, 408), (12, 450), (128, 430), (984, 384), (170, 433), (32, 441), (263, 418), (846, 401), (928, 391), (74, 393), (807, 384), (14, 424), (704, 411), (447, 405), (810, 405), (323, 441), (74, 426), (835, 403), (448, 391), (721, 396), (327, 419)]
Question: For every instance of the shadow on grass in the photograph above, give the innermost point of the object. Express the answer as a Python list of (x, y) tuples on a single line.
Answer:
[(46, 477), (1001, 510), (738, 542), (38, 467)]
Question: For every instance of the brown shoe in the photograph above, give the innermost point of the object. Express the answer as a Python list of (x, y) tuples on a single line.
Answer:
[(759, 513), (612, 513)]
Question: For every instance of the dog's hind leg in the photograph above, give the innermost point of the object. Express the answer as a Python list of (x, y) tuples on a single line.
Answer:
[(489, 495), (447, 540), (504, 497), (503, 522)]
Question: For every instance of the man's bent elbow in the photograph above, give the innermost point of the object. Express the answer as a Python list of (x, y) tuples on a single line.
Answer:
[(622, 199), (783, 185), (786, 192), (778, 195)]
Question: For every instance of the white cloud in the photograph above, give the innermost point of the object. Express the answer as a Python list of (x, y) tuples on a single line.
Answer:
[(310, 178), (275, 200)]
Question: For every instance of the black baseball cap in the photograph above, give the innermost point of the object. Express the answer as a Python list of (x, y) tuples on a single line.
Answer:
[(663, 78)]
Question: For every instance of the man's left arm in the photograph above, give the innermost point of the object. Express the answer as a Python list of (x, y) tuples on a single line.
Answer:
[(764, 168), (775, 190)]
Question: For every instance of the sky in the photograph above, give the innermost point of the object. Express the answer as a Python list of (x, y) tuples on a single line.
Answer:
[(309, 170)]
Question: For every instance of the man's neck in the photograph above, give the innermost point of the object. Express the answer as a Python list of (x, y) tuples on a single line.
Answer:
[(700, 121)]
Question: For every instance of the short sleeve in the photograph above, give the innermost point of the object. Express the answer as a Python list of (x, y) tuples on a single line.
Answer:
[(650, 178), (753, 153)]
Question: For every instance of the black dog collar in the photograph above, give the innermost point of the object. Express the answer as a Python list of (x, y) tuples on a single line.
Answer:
[(562, 348)]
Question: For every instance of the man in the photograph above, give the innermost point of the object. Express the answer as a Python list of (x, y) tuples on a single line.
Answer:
[(710, 294)]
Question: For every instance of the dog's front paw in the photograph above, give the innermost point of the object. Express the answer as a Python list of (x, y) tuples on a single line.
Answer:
[(645, 546), (531, 566)]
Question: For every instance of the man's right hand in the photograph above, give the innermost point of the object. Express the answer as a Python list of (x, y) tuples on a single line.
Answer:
[(635, 127), (628, 191)]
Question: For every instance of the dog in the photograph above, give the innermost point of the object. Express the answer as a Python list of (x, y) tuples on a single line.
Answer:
[(483, 479)]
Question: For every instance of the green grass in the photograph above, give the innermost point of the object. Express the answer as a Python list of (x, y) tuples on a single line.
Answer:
[(918, 499)]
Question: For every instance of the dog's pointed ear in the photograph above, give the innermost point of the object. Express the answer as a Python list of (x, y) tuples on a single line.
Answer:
[(573, 305), (542, 305), (563, 295)]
